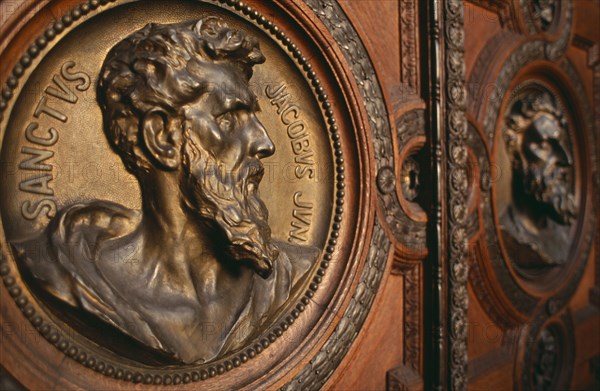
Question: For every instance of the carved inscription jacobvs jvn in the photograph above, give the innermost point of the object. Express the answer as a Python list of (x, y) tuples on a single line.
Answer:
[(301, 219), (35, 156), (297, 131), (290, 116)]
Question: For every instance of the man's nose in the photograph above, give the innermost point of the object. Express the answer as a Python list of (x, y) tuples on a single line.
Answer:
[(563, 155), (261, 144)]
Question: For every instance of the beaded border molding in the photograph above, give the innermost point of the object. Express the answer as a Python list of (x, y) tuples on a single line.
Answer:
[(54, 335)]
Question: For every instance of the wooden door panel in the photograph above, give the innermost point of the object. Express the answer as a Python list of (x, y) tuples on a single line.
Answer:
[(527, 324), (463, 251)]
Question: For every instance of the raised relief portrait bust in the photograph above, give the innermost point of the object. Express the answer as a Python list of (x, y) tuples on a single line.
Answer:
[(535, 226), (543, 13), (195, 273)]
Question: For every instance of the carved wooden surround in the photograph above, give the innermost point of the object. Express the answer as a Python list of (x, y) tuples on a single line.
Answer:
[(464, 246)]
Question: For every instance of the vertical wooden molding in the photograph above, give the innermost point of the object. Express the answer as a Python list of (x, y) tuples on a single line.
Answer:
[(594, 63), (435, 266), (407, 377), (455, 127), (408, 47)]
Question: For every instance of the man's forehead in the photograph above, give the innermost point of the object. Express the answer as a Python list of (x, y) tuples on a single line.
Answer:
[(225, 85), (229, 95), (547, 126)]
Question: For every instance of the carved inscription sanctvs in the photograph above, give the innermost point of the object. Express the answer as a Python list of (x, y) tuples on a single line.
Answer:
[(37, 154)]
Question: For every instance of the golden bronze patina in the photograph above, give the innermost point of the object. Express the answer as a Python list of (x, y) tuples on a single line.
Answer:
[(138, 173)]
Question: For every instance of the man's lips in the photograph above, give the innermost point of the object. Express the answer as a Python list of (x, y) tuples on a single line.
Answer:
[(254, 171)]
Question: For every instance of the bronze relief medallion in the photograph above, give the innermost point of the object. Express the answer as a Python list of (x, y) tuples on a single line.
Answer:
[(539, 197), (539, 194), (172, 188)]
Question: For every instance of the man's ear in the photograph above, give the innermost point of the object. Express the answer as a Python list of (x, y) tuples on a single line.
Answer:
[(162, 142)]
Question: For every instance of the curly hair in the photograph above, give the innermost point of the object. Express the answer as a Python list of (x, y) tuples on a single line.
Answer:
[(150, 69), (523, 112), (545, 180)]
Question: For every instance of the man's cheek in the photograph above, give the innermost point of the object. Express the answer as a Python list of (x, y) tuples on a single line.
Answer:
[(204, 131)]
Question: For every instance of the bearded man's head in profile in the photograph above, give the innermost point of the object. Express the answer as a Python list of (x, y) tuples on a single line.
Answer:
[(542, 164), (178, 110), (190, 84)]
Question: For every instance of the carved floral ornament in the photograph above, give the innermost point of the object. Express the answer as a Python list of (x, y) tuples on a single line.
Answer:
[(116, 284)]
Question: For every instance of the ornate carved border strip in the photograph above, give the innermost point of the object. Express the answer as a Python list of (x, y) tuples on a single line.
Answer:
[(321, 366), (333, 17), (477, 83), (408, 49), (448, 272), (331, 354), (457, 185), (558, 48), (521, 56)]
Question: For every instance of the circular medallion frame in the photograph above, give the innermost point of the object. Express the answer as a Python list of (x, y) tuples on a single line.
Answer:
[(554, 282), (540, 278), (341, 258), (547, 353), (512, 297)]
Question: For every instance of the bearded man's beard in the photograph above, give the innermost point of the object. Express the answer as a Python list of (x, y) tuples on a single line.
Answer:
[(550, 187), (231, 200)]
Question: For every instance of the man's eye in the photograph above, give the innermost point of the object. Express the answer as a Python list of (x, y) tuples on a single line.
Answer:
[(225, 121)]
